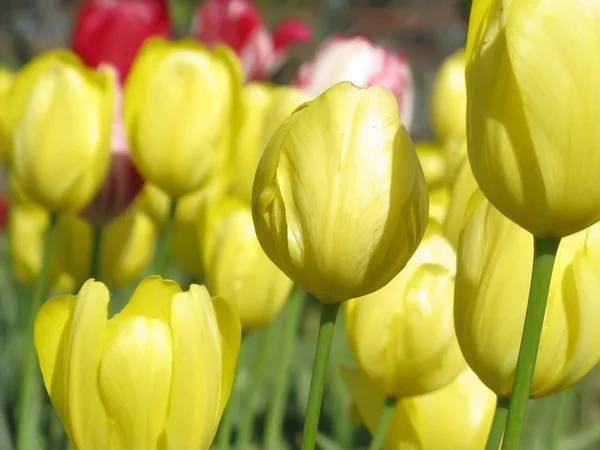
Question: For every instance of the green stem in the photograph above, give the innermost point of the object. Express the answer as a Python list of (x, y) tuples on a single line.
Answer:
[(279, 396), (95, 262), (499, 422), (27, 399), (163, 253), (225, 427), (260, 364), (387, 413), (544, 254), (317, 383)]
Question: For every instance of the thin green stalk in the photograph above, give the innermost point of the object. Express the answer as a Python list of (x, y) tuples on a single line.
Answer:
[(497, 430), (387, 413), (544, 255), (163, 254), (27, 397), (282, 378), (317, 383), (260, 365), (225, 427), (96, 241)]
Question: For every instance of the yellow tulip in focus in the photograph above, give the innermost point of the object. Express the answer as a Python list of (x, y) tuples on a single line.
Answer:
[(534, 140), (126, 247), (6, 81), (340, 201), (179, 101), (61, 120), (156, 375), (402, 336), (462, 190), (237, 268), (457, 416), (492, 282), (448, 106), (432, 159)]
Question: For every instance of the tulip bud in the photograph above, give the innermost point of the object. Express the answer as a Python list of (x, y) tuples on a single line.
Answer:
[(126, 247), (457, 416), (239, 24), (402, 336), (462, 191), (178, 107), (358, 60), (158, 374), (111, 32), (237, 268), (448, 107), (339, 199), (534, 143), (495, 258), (432, 159), (6, 81), (61, 118)]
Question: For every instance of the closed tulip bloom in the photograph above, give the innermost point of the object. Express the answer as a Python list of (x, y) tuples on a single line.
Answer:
[(179, 101), (460, 195), (359, 60), (236, 266), (62, 114), (534, 143), (457, 416), (156, 375), (493, 276), (126, 247), (6, 80), (448, 107), (339, 199), (433, 160), (402, 336)]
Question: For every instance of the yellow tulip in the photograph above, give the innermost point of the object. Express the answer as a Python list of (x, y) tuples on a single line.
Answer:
[(126, 247), (534, 143), (237, 268), (61, 119), (340, 201), (6, 81), (494, 264), (156, 375), (433, 161), (457, 416), (462, 190), (248, 146), (179, 101), (448, 106), (402, 336), (456, 154)]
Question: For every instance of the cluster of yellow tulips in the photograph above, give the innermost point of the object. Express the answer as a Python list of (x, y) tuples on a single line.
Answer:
[(467, 266)]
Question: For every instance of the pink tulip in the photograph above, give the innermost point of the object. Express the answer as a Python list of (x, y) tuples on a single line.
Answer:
[(359, 60), (238, 24)]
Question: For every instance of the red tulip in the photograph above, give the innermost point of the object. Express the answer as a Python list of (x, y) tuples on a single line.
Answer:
[(4, 205), (112, 31), (238, 24), (359, 60)]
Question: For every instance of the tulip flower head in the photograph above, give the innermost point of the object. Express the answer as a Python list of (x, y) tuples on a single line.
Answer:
[(239, 24), (532, 115), (6, 80), (339, 199), (460, 195), (358, 60), (156, 375), (457, 416), (237, 268), (495, 258), (61, 116), (402, 336), (112, 31), (179, 103)]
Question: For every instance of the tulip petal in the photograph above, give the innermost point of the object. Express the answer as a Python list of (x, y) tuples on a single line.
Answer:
[(51, 334), (135, 382), (197, 371), (84, 410), (478, 18)]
